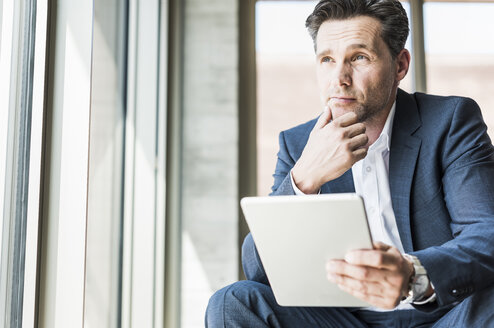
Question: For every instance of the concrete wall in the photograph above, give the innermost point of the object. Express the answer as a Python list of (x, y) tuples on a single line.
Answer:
[(210, 177)]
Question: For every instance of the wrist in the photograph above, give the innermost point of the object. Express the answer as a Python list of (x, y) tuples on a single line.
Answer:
[(430, 291), (304, 184), (419, 286), (429, 297)]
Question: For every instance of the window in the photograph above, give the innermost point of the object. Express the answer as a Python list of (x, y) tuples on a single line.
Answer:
[(459, 46), (77, 143)]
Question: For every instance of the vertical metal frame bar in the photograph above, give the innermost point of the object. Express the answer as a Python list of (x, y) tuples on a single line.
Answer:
[(174, 160), (7, 73), (64, 207), (106, 164), (127, 238), (418, 49), (247, 118), (144, 226), (160, 231), (18, 162), (36, 154)]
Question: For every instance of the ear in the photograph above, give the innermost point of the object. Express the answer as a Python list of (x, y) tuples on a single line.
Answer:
[(402, 64)]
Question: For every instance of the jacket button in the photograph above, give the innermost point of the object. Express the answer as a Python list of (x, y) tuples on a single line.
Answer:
[(454, 292)]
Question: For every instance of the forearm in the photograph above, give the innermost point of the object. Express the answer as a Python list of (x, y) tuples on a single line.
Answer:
[(462, 266)]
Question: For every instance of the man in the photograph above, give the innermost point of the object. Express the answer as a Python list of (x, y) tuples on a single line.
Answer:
[(424, 166)]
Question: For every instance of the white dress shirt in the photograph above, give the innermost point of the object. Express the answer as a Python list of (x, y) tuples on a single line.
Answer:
[(371, 181)]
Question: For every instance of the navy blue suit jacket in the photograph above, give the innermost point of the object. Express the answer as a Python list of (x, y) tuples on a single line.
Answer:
[(441, 175)]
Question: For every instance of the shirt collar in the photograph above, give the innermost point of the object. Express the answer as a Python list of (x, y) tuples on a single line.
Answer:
[(385, 136)]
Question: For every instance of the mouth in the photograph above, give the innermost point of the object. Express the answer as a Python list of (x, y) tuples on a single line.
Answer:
[(341, 99)]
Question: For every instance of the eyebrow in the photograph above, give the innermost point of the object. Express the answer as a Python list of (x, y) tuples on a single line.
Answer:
[(351, 47)]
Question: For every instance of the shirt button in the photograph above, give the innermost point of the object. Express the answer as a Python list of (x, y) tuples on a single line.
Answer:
[(368, 169)]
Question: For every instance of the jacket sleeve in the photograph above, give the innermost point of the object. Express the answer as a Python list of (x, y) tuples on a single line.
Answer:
[(464, 264), (282, 181)]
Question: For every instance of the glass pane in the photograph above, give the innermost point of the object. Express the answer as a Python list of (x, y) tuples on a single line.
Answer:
[(4, 114), (459, 46), (104, 223), (16, 81), (287, 92)]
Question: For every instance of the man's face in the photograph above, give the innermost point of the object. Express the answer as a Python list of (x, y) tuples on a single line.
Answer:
[(355, 70)]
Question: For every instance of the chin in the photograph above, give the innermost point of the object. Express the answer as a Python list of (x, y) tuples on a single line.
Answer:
[(337, 112)]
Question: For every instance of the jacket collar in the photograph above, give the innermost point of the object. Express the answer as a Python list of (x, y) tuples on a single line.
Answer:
[(403, 157)]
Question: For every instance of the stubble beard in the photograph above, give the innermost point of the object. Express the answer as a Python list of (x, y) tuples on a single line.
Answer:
[(372, 111), (369, 113)]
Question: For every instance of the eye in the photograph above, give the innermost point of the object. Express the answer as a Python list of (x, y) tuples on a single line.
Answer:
[(326, 59), (359, 57)]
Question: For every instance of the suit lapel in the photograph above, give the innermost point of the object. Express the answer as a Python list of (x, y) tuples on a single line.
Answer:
[(402, 161)]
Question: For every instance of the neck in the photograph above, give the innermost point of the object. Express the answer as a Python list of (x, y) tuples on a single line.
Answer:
[(375, 126)]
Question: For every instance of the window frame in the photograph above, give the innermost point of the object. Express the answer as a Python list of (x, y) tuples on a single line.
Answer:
[(22, 67)]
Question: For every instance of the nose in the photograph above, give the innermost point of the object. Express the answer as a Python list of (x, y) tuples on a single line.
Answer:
[(342, 74)]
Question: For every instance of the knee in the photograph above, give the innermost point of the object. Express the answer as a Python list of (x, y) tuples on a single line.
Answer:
[(251, 263), (215, 309), (223, 305)]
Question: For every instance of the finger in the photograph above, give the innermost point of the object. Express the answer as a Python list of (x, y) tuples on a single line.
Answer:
[(376, 300), (346, 119), (359, 154), (381, 246), (373, 258), (358, 272), (324, 118), (374, 282), (363, 286), (358, 141), (355, 130)]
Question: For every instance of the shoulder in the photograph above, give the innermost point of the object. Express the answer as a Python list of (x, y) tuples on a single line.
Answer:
[(434, 113), (443, 106), (301, 128), (295, 139), (298, 133), (453, 126), (450, 113)]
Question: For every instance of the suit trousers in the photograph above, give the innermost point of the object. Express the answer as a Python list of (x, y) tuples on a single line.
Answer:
[(251, 303)]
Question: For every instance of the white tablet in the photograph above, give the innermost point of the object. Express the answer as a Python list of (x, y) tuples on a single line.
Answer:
[(295, 237)]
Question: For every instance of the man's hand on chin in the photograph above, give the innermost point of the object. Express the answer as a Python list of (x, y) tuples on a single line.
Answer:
[(333, 147), (379, 276)]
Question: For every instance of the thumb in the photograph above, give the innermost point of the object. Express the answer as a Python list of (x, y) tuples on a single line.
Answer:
[(324, 119), (381, 246)]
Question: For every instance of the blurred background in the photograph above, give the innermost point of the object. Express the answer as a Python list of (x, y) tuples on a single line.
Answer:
[(129, 131)]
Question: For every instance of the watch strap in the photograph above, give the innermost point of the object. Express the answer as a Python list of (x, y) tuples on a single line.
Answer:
[(418, 274)]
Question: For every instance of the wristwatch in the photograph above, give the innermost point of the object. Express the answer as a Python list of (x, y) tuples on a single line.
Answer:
[(419, 281)]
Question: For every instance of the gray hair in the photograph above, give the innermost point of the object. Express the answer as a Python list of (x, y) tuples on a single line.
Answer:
[(393, 18)]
